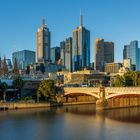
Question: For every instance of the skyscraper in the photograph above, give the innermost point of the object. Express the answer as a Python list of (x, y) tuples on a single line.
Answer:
[(55, 54), (80, 47), (124, 52), (132, 52), (66, 53), (103, 53), (62, 52), (43, 43)]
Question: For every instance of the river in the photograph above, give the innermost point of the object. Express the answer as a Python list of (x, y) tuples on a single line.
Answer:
[(79, 122)]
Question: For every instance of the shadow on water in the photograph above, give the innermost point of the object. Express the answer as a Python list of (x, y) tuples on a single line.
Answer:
[(87, 110), (27, 113)]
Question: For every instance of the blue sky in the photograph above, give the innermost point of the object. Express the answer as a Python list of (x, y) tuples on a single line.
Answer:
[(113, 20)]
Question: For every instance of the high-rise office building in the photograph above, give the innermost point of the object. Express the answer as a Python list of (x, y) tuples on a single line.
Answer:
[(43, 43), (55, 54), (80, 48), (103, 53), (124, 52), (62, 52), (66, 53), (132, 52), (24, 58), (99, 54), (108, 52)]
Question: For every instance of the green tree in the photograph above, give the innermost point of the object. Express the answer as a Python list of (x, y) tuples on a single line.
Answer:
[(138, 80), (4, 87), (47, 89), (18, 83), (130, 78), (128, 81), (119, 82), (135, 76)]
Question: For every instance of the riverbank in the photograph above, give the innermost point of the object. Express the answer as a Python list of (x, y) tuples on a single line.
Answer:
[(13, 106)]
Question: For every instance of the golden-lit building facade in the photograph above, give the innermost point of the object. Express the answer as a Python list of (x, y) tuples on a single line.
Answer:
[(103, 53), (43, 43)]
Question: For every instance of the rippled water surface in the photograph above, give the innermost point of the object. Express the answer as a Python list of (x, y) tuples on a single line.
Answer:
[(70, 123)]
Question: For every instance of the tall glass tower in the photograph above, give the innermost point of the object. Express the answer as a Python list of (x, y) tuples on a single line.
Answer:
[(23, 58), (43, 43), (55, 54), (132, 52), (80, 47)]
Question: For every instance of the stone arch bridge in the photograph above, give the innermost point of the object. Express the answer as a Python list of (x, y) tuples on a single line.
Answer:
[(110, 92), (107, 97)]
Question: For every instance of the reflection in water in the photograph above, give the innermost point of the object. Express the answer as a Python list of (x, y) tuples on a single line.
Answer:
[(125, 115), (70, 123), (81, 110)]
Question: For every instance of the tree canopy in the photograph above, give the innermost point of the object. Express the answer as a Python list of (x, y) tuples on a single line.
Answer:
[(130, 78), (3, 86), (47, 89), (18, 83)]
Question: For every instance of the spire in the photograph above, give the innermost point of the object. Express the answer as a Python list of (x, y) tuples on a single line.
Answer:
[(43, 22), (81, 18)]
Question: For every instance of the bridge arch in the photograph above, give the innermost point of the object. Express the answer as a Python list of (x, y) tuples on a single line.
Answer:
[(91, 91), (96, 95)]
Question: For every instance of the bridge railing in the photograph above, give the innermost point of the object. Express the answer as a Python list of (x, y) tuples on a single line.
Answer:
[(115, 91), (125, 89)]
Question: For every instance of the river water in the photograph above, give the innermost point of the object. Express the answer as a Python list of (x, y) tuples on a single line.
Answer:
[(70, 123)]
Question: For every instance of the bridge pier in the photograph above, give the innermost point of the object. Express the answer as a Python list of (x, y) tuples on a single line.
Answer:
[(101, 103)]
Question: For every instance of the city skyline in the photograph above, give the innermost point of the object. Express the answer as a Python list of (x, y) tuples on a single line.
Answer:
[(110, 20)]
